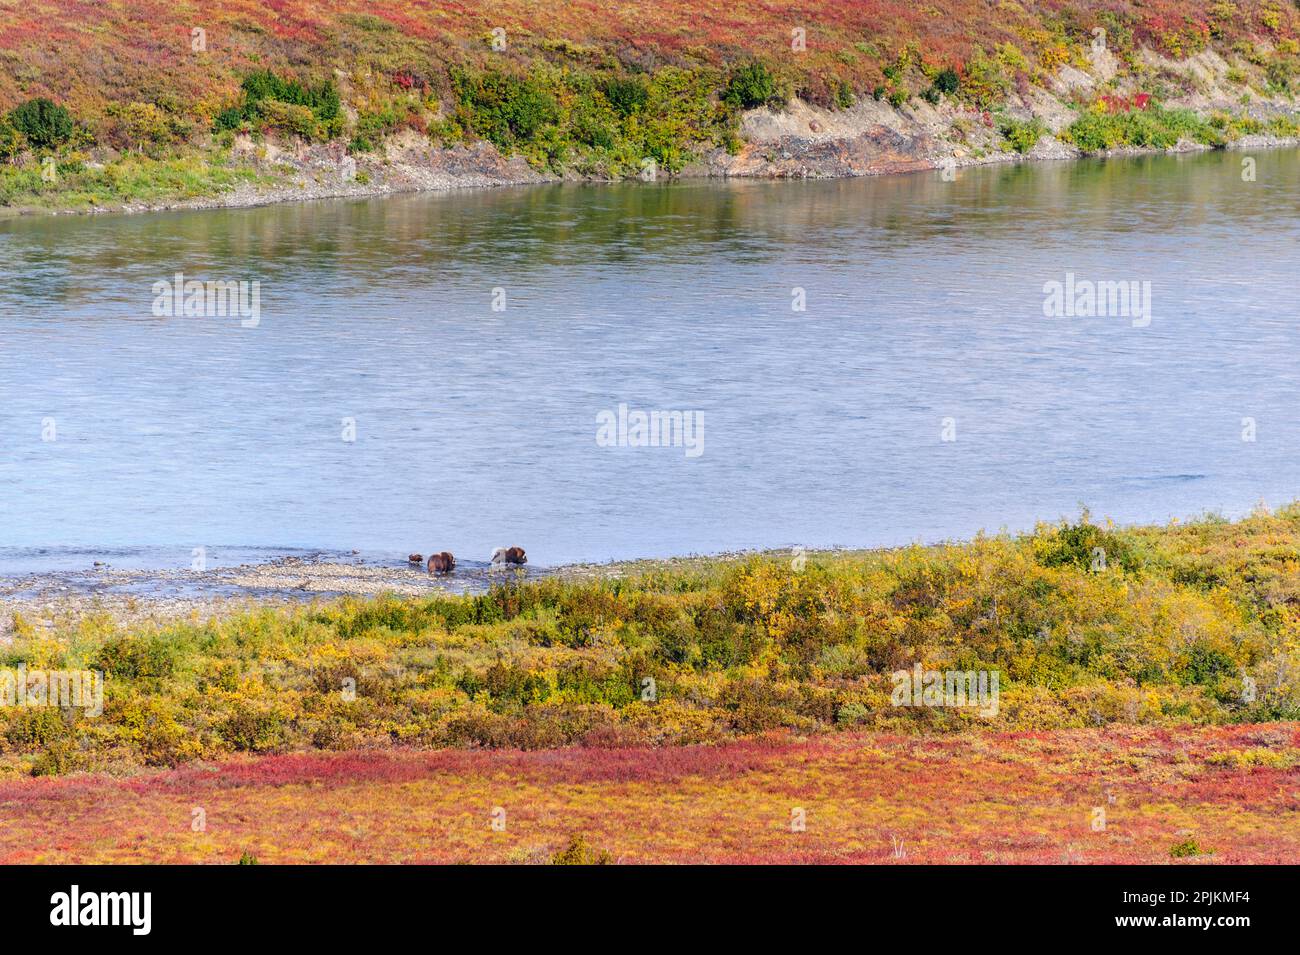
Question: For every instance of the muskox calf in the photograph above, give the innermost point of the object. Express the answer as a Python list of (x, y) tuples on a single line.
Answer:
[(442, 563), (509, 555), (415, 559)]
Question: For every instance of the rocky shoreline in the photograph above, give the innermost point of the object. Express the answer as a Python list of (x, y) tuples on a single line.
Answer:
[(143, 597), (133, 597), (139, 597), (874, 153)]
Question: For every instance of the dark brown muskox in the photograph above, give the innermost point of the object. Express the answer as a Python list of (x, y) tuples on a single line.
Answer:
[(442, 563), (415, 559), (509, 555)]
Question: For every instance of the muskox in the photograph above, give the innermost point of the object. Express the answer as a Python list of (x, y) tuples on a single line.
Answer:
[(509, 555), (442, 563), (415, 559)]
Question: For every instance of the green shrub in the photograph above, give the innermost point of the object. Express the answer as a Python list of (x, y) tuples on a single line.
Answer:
[(625, 95), (591, 132), (45, 124), (947, 81), (1278, 76), (311, 111), (58, 759), (36, 726), (986, 84), (595, 122), (1085, 545), (1187, 849), (12, 142), (577, 852), (232, 117), (1205, 666), (373, 125), (504, 109), (290, 118), (751, 85), (1022, 136), (1154, 127), (322, 98), (253, 728), (130, 178), (851, 714), (1282, 126), (144, 126), (134, 657), (1094, 132)]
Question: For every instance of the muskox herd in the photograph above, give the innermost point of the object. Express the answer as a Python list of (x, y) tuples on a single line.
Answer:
[(444, 562)]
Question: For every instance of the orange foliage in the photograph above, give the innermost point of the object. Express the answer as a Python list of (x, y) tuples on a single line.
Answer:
[(89, 53), (973, 798)]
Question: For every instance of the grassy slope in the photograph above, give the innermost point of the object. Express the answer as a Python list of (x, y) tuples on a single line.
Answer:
[(90, 53), (130, 179), (1225, 795), (1165, 634)]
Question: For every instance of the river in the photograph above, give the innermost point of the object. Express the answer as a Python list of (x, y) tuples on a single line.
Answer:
[(428, 372)]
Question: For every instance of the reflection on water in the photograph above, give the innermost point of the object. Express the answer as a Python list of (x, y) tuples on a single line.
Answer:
[(476, 428)]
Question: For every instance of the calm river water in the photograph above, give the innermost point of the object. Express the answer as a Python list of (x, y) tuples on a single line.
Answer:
[(381, 403)]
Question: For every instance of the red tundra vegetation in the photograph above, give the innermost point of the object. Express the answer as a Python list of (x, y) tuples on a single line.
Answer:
[(89, 54), (1114, 795)]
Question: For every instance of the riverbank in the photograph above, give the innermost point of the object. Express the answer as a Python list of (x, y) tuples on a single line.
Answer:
[(61, 600), (877, 150), (133, 597), (1188, 624), (1098, 106)]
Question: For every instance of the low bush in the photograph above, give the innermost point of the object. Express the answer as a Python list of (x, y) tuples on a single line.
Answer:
[(1022, 135), (626, 95), (310, 111), (12, 142), (1155, 127), (43, 123), (1086, 624), (751, 85), (578, 852)]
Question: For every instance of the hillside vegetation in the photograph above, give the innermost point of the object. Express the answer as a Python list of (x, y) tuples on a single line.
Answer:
[(1190, 623), (580, 88), (120, 51)]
